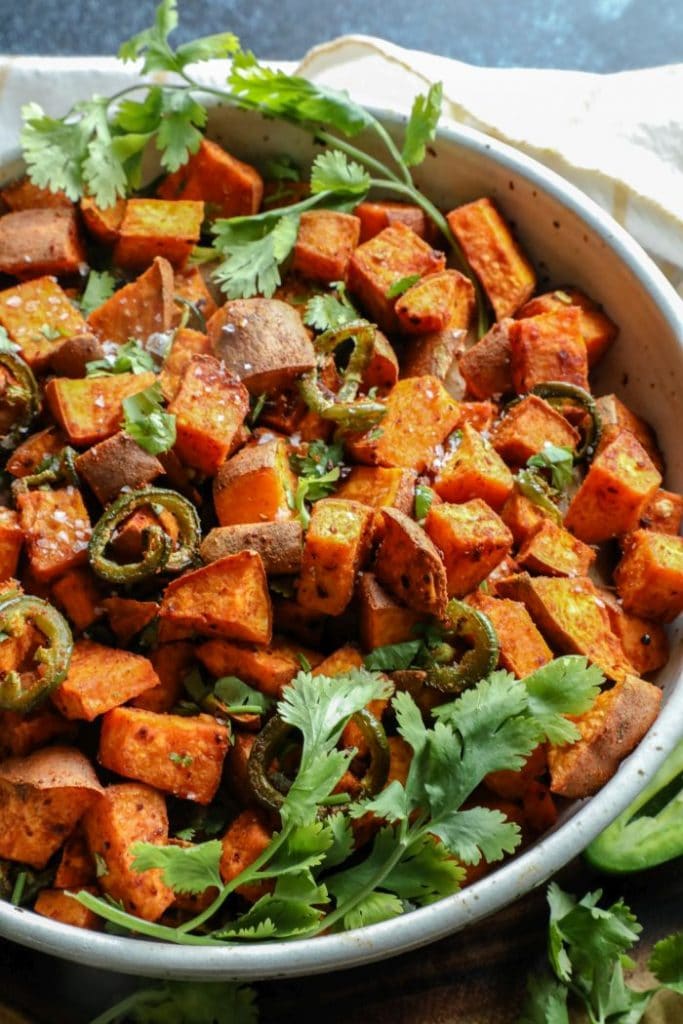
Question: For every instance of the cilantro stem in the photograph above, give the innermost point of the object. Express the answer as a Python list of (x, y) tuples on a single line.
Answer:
[(136, 924), (18, 890), (361, 157), (393, 149)]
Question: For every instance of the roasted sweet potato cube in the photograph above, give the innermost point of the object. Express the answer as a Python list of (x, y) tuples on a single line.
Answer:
[(209, 408), (171, 663), (157, 227), (23, 194), (228, 187), (521, 516), (141, 308), (269, 668), (496, 258), (548, 347), (237, 766), (102, 223), (614, 413), (528, 427), (256, 485), (126, 814), (115, 464), (619, 484), (38, 316), (324, 245), (472, 540), (434, 354), (485, 366), (663, 513), (597, 329), (382, 620), (91, 410), (343, 660), (11, 541), (380, 263), (226, 598), (185, 345), (410, 566), (382, 368), (336, 546), (178, 755), (512, 785), (101, 678), (189, 286), (610, 730), (25, 459), (128, 617), (36, 242), (479, 415), (375, 217), (57, 530), (76, 866), (280, 545), (649, 577), (474, 470), (59, 906), (401, 439), (42, 798), (20, 734), (435, 301), (292, 619), (262, 341), (246, 838), (78, 594), (522, 648), (128, 542), (572, 616), (644, 642), (71, 357), (378, 487), (553, 551)]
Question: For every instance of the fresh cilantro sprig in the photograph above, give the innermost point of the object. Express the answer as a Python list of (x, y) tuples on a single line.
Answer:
[(146, 421), (185, 1002), (98, 288), (558, 461), (588, 952), (128, 358), (327, 312), (318, 471)]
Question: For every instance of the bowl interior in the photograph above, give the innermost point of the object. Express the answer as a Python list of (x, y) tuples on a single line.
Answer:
[(571, 242)]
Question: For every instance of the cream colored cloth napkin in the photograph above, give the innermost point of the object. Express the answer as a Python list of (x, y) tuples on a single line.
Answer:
[(618, 137)]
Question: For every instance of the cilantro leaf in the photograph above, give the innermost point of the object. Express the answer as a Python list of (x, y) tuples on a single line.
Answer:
[(427, 873), (319, 470), (128, 358), (402, 285), (253, 251), (475, 833), (421, 127), (666, 962), (560, 462), (232, 692), (147, 423), (546, 1001), (565, 686), (342, 840), (313, 488), (178, 135), (54, 151), (186, 1002), (274, 915), (6, 343), (213, 47), (317, 459), (282, 168), (152, 43), (392, 657), (305, 847), (373, 908), (326, 312), (424, 496), (188, 869), (333, 172), (391, 804), (98, 288)]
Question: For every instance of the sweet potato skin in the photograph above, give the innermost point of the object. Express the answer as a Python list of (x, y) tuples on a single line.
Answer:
[(410, 566), (472, 540), (280, 545), (101, 678), (42, 798), (256, 485), (336, 545), (116, 463), (178, 755), (486, 365), (649, 577)]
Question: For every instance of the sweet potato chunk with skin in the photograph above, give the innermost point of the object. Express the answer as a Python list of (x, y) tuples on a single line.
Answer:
[(379, 487), (156, 227), (528, 427), (185, 345), (472, 540), (78, 594), (614, 413), (91, 410), (522, 648), (474, 470), (102, 223), (255, 485), (226, 598), (410, 566), (115, 464), (610, 730), (21, 734), (649, 577), (101, 678), (269, 668), (38, 316), (126, 814), (663, 513), (382, 369), (261, 341), (59, 906), (552, 551), (11, 542), (25, 459), (324, 245), (57, 530), (522, 517), (401, 439), (37, 242), (572, 616), (496, 258), (178, 755), (620, 482), (209, 408), (597, 329), (228, 187), (247, 837), (382, 620), (548, 347), (42, 798), (433, 354), (486, 365), (336, 545), (23, 194), (433, 301), (280, 545), (72, 356), (141, 308), (375, 217), (380, 263)]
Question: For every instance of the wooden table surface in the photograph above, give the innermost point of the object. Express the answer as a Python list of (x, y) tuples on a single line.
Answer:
[(474, 977)]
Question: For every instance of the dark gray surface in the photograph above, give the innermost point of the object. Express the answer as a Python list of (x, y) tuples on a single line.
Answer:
[(593, 35)]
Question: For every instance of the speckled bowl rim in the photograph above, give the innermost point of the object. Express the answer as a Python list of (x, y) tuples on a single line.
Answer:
[(502, 886)]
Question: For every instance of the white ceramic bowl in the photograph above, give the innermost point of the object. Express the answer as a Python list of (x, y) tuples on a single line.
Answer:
[(572, 241)]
